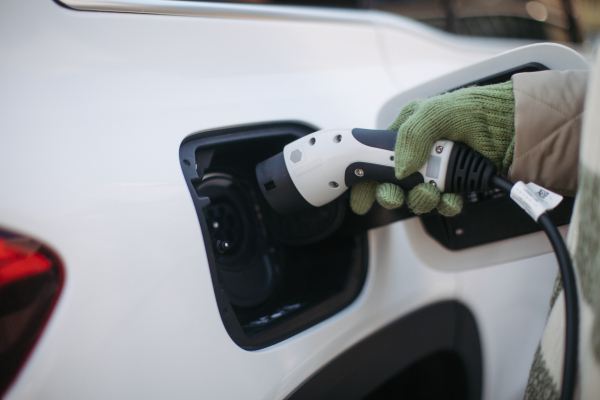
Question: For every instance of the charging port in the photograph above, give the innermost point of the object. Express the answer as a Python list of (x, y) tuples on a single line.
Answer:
[(274, 276)]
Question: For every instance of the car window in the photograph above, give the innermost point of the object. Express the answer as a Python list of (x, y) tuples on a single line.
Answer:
[(543, 20)]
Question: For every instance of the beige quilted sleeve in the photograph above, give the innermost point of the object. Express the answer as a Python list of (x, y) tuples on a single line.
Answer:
[(548, 115), (545, 378)]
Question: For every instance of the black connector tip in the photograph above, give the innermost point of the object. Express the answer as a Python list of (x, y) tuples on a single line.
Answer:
[(277, 186)]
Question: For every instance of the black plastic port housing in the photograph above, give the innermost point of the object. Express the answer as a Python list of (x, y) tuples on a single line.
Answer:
[(273, 275)]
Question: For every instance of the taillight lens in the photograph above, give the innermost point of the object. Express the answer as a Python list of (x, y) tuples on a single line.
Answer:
[(31, 278)]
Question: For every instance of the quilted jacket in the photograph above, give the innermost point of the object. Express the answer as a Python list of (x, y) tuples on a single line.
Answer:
[(548, 115)]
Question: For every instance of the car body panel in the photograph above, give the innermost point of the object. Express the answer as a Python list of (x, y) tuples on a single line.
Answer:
[(94, 108)]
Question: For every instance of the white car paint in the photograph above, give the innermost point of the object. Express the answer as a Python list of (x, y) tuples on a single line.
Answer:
[(94, 108)]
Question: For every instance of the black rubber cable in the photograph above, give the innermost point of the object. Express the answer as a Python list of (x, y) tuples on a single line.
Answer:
[(570, 287), (571, 306), (502, 184)]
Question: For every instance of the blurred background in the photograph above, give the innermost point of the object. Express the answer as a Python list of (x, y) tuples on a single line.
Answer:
[(565, 21)]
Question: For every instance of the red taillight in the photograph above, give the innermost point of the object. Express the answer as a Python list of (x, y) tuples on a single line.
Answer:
[(30, 281)]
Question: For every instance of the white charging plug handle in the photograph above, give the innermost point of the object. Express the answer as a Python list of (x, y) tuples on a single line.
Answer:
[(318, 163)]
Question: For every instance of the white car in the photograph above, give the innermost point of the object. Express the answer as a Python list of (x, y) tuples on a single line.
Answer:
[(130, 130)]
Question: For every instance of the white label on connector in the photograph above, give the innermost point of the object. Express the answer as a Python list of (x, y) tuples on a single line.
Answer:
[(534, 199)]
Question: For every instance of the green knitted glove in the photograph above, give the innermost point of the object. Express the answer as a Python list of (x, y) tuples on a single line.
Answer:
[(481, 117)]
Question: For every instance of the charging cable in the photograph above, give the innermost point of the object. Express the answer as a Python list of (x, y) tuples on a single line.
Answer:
[(570, 287), (472, 172)]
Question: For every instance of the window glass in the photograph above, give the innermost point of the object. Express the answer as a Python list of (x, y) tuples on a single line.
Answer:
[(544, 20)]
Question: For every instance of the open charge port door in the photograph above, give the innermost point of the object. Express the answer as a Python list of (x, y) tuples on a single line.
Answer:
[(273, 275)]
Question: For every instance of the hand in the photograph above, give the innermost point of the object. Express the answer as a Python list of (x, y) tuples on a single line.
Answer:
[(481, 117)]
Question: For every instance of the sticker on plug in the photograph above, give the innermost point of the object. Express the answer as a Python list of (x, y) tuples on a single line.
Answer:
[(534, 199)]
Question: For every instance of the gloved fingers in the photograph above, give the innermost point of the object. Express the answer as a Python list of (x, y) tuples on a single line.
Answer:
[(423, 198), (362, 196), (390, 196), (405, 113), (450, 204)]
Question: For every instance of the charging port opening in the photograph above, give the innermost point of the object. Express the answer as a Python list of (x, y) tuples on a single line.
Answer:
[(273, 276)]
